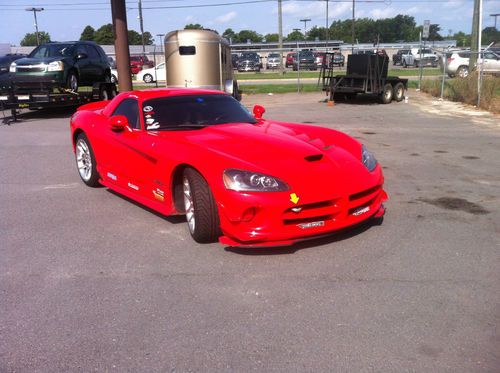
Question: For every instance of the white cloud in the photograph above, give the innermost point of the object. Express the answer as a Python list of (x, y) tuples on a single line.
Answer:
[(314, 9), (189, 18), (225, 18), (379, 13)]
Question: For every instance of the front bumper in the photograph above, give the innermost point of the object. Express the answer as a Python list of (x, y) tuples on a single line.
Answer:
[(271, 219), (38, 81)]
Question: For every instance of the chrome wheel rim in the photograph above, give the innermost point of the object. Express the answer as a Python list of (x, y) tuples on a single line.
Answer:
[(83, 160), (148, 78), (388, 95), (189, 205)]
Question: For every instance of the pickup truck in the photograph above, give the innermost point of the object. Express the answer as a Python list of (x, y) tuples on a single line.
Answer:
[(412, 58)]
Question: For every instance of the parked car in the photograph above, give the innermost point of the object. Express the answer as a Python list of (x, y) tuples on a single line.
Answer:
[(234, 60), (6, 60), (137, 63), (457, 63), (397, 57), (239, 178), (417, 57), (273, 61), (305, 61), (290, 57), (62, 65), (338, 59), (249, 61), (153, 74), (319, 57)]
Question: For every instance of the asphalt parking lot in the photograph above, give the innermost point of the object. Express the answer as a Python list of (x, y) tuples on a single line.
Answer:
[(90, 281)]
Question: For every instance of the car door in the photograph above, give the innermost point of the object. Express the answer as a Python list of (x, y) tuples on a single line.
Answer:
[(83, 64), (96, 65), (132, 161), (491, 62), (160, 72)]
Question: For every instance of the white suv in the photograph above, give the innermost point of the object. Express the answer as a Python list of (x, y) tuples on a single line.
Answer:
[(457, 63)]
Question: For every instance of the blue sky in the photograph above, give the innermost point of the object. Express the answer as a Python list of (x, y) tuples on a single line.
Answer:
[(65, 19)]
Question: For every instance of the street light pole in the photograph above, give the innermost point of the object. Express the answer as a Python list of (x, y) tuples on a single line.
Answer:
[(495, 15), (327, 36), (352, 25), (35, 10), (298, 60), (161, 44), (305, 20), (141, 24)]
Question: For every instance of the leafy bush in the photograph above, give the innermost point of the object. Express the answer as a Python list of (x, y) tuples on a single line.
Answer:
[(465, 90)]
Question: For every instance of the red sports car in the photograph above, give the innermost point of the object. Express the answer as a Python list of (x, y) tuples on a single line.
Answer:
[(237, 177)]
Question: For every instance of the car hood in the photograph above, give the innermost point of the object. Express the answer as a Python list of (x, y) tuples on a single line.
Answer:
[(293, 155), (36, 61)]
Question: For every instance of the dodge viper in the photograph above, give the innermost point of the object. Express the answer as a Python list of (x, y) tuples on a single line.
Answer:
[(239, 178)]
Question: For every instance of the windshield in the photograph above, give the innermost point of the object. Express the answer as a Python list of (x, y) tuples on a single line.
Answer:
[(52, 50), (193, 111)]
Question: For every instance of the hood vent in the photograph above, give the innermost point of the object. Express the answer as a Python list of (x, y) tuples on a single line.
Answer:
[(314, 157)]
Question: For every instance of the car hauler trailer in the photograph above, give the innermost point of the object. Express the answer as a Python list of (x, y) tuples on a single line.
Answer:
[(38, 97), (199, 59), (366, 74)]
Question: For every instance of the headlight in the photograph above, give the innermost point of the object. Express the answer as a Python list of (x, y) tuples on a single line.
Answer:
[(56, 66), (12, 67), (246, 181), (368, 159)]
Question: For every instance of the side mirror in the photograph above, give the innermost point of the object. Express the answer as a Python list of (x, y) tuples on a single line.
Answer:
[(258, 111), (81, 56), (118, 123)]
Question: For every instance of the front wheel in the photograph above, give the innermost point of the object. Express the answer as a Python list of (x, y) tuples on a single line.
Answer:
[(398, 92), (148, 78), (85, 161), (201, 211)]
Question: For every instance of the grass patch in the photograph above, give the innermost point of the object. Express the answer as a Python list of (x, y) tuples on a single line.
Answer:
[(465, 90), (315, 74), (251, 89)]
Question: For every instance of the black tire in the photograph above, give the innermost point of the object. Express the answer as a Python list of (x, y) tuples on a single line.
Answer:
[(398, 92), (415, 63), (148, 78), (236, 91), (386, 96), (200, 206), (404, 64), (72, 81), (114, 79), (85, 161)]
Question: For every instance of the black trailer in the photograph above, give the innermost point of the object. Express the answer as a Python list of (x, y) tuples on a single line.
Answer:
[(366, 74), (14, 98)]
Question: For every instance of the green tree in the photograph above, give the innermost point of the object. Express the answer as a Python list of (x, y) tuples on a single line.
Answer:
[(271, 38), (490, 35), (229, 34), (194, 26), (463, 39), (316, 32), (245, 35), (294, 36), (88, 33), (134, 38), (148, 38), (104, 35), (29, 39)]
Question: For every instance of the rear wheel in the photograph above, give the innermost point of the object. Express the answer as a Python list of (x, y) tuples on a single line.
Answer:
[(148, 78), (201, 211), (398, 92), (386, 96), (85, 161), (72, 82), (404, 64), (463, 71)]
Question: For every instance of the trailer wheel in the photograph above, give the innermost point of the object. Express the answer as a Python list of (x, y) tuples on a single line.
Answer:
[(72, 82), (398, 93), (386, 96)]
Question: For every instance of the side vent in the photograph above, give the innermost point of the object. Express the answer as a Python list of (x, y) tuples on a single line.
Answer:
[(314, 157)]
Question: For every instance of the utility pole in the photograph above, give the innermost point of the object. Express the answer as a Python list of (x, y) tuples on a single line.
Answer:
[(352, 25), (298, 60), (327, 28), (280, 36), (141, 23), (305, 20), (119, 15), (161, 46), (474, 48), (35, 10), (495, 15)]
